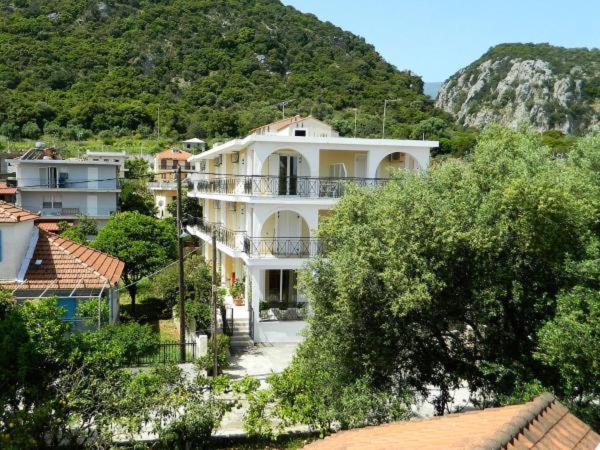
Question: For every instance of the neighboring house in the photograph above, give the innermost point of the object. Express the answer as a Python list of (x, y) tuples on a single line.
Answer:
[(5, 170), (264, 196), (164, 188), (540, 424), (61, 189), (115, 157), (194, 145), (7, 193), (36, 264)]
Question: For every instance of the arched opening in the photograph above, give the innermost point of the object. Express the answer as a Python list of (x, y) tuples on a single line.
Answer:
[(394, 162), (285, 234), (283, 171)]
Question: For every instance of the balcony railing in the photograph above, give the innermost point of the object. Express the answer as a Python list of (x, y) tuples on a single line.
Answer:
[(166, 185), (66, 211), (270, 186), (258, 247), (65, 183), (283, 247)]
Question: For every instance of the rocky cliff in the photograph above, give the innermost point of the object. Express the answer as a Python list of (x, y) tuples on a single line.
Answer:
[(539, 85)]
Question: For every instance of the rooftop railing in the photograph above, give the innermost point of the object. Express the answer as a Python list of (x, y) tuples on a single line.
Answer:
[(271, 185)]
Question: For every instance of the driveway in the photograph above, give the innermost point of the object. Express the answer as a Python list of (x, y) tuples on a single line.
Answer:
[(261, 360)]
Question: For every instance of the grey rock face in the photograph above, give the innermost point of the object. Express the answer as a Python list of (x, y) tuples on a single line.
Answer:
[(518, 91)]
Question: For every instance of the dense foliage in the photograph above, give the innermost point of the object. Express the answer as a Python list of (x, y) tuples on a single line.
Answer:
[(67, 388), (483, 271), (216, 68), (145, 244)]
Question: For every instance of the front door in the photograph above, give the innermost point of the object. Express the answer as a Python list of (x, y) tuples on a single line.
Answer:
[(288, 175)]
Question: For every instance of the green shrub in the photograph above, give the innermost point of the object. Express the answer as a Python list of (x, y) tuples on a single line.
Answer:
[(206, 362)]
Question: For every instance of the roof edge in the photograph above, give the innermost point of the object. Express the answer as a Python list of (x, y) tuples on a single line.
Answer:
[(512, 429)]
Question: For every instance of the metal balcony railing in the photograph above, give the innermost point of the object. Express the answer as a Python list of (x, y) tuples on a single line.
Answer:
[(66, 183), (270, 186), (259, 247), (283, 247), (69, 211)]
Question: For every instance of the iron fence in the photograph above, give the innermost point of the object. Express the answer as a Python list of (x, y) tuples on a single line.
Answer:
[(166, 352), (271, 185), (283, 247)]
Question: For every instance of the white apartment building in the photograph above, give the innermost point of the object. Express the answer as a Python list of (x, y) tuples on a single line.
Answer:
[(62, 189), (264, 195)]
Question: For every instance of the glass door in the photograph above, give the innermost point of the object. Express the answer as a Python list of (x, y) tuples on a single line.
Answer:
[(288, 175)]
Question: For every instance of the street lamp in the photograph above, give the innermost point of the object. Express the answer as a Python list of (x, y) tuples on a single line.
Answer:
[(385, 102)]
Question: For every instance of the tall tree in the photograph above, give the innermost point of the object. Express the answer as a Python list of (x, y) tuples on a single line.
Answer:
[(144, 244)]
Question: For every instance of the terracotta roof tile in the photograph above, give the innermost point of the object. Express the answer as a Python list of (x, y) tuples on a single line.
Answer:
[(9, 213), (279, 124), (6, 190), (541, 424), (52, 227), (172, 154), (66, 265)]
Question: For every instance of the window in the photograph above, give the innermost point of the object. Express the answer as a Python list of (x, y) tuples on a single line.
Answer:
[(299, 132), (280, 286), (337, 170), (52, 201)]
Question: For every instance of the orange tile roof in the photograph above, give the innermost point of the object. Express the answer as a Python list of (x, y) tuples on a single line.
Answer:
[(5, 190), (170, 153), (66, 265), (279, 124), (52, 227), (9, 213), (541, 424)]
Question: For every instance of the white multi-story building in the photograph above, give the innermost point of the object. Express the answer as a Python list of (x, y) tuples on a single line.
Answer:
[(62, 189), (263, 197)]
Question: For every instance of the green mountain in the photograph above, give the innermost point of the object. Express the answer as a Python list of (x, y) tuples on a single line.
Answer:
[(540, 85), (215, 68)]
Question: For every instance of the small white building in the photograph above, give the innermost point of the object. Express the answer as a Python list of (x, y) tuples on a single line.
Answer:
[(193, 145), (264, 195), (62, 189)]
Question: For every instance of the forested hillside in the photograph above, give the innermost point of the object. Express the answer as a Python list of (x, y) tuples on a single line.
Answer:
[(547, 87), (216, 67)]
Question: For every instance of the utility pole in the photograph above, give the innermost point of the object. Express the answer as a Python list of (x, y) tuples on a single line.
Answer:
[(181, 284), (385, 102), (214, 302), (158, 122)]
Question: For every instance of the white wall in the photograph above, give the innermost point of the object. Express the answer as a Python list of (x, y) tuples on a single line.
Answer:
[(15, 242), (28, 174), (105, 204)]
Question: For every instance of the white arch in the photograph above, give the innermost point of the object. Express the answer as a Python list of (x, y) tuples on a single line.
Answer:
[(303, 231), (309, 158), (309, 215), (376, 157)]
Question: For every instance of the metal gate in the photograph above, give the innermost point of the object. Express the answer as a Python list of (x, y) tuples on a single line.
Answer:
[(251, 322), (228, 324)]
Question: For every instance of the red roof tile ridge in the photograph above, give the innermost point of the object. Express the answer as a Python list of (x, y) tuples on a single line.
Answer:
[(287, 121), (73, 246), (513, 428)]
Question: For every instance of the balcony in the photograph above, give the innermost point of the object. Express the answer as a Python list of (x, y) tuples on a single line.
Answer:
[(259, 247), (162, 185), (273, 186)]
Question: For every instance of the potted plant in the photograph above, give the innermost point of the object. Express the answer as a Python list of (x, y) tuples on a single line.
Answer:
[(237, 292)]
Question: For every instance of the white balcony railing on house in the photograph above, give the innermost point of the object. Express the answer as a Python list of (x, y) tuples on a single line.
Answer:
[(65, 183), (260, 247), (69, 211), (271, 186), (162, 185)]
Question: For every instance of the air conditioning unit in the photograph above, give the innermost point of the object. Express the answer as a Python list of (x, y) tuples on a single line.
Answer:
[(235, 157), (218, 160), (231, 207), (395, 156)]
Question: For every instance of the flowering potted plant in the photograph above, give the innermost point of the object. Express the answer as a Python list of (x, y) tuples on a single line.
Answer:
[(237, 292)]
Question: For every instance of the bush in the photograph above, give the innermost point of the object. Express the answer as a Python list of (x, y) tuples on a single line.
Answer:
[(10, 130), (88, 311), (120, 344), (206, 362), (31, 130)]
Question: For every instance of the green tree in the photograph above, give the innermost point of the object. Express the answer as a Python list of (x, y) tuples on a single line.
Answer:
[(31, 130), (136, 197), (190, 207), (143, 243), (446, 277), (137, 168)]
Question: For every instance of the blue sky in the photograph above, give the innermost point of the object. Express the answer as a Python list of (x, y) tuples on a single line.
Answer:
[(435, 38)]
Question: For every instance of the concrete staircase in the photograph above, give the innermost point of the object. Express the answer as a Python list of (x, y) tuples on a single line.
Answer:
[(240, 340)]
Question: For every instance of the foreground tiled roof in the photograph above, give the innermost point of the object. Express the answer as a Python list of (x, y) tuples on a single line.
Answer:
[(541, 424), (52, 227), (279, 125), (59, 263), (172, 154), (11, 213), (6, 190)]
